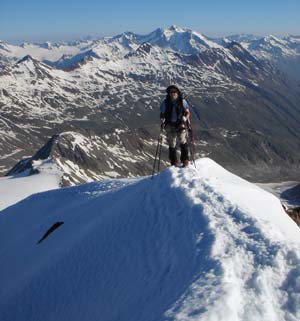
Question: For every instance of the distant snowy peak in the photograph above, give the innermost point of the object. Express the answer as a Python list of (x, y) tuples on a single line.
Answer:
[(32, 66), (176, 28), (43, 52), (114, 48), (292, 39), (27, 58), (182, 40), (148, 52), (270, 41), (126, 38), (235, 45), (294, 43), (4, 46), (175, 38), (142, 51), (49, 45), (242, 37), (274, 47), (69, 62)]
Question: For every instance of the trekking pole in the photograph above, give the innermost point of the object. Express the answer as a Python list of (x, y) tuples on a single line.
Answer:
[(158, 149), (191, 142), (191, 137), (192, 146), (159, 154)]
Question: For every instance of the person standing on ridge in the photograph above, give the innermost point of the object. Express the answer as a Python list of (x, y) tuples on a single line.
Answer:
[(174, 118)]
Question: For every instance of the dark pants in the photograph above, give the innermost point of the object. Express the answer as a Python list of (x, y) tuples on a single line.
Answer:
[(173, 135)]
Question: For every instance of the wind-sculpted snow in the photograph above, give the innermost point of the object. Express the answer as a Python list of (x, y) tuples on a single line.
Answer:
[(190, 244)]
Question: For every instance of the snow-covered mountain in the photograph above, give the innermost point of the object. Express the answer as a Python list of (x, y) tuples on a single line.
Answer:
[(175, 38), (272, 47), (242, 37), (245, 112), (191, 244), (283, 52), (79, 159), (46, 51)]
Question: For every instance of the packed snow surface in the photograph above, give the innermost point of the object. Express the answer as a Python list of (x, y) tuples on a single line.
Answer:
[(15, 188), (191, 244)]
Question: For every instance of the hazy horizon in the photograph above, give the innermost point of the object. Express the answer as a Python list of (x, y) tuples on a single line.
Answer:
[(61, 20), (76, 37)]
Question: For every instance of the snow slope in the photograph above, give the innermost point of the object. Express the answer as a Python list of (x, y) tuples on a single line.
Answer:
[(191, 244), (17, 187), (282, 190)]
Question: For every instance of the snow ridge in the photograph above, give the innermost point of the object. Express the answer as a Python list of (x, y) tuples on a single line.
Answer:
[(191, 244), (241, 284)]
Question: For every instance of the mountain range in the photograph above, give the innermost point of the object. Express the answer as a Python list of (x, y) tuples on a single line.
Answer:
[(99, 99)]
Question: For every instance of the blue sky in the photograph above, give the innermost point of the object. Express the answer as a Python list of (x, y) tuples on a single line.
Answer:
[(40, 20)]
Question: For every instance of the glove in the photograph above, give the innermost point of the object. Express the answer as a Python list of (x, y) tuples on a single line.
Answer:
[(184, 119), (162, 123)]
